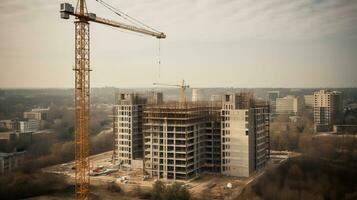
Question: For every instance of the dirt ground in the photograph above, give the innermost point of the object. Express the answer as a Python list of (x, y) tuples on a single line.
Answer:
[(207, 185)]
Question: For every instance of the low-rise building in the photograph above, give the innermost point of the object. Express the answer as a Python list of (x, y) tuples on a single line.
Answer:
[(29, 125), (216, 98), (11, 161), (291, 105), (10, 141), (37, 114), (309, 100), (345, 129), (8, 136), (9, 124)]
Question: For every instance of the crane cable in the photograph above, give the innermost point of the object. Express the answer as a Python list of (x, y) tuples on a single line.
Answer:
[(114, 10), (125, 16), (134, 21), (159, 58)]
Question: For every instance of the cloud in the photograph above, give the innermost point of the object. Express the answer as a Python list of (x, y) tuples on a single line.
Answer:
[(200, 33), (261, 19), (224, 19)]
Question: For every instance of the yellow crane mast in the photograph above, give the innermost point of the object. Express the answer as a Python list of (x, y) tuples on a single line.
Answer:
[(182, 87), (82, 85)]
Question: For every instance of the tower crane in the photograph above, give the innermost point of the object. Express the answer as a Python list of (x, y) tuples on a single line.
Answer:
[(82, 84), (182, 87)]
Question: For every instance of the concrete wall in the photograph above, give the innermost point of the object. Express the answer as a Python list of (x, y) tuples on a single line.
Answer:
[(137, 164), (238, 145)]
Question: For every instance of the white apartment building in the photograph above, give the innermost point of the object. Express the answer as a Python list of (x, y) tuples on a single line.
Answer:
[(37, 114), (328, 109), (244, 135), (289, 105), (309, 100), (127, 127), (198, 95), (272, 96), (29, 125)]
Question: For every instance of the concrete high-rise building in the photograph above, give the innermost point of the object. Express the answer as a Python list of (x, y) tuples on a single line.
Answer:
[(11, 161), (309, 100), (289, 105), (272, 96), (245, 135), (34, 117), (198, 95), (127, 127), (328, 109), (29, 125), (181, 140), (37, 114)]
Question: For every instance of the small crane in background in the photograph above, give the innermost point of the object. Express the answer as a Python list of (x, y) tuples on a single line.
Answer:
[(82, 80), (182, 87)]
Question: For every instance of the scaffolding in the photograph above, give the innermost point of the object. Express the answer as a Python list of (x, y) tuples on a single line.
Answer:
[(181, 140)]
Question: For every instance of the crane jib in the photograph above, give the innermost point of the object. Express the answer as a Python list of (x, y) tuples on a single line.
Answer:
[(67, 10)]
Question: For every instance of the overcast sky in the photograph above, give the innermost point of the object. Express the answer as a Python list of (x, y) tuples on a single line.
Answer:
[(210, 43)]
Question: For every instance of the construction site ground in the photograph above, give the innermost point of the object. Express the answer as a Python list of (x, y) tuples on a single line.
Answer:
[(213, 185)]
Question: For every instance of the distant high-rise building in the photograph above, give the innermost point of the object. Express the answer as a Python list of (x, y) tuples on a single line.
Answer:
[(128, 130), (272, 96), (216, 97), (198, 95), (29, 125), (309, 100), (9, 124), (37, 114), (289, 105), (328, 109), (245, 135), (10, 161)]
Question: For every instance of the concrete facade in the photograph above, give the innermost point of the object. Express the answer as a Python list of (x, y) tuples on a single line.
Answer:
[(9, 124), (37, 114), (245, 135), (328, 109), (309, 100), (29, 125), (181, 140), (11, 161), (198, 95), (127, 127), (292, 105)]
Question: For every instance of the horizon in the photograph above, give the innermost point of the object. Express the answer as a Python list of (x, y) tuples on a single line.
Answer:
[(178, 100), (69, 88)]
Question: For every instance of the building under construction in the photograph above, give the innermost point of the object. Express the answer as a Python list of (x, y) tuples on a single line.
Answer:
[(181, 140), (127, 127), (245, 134)]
